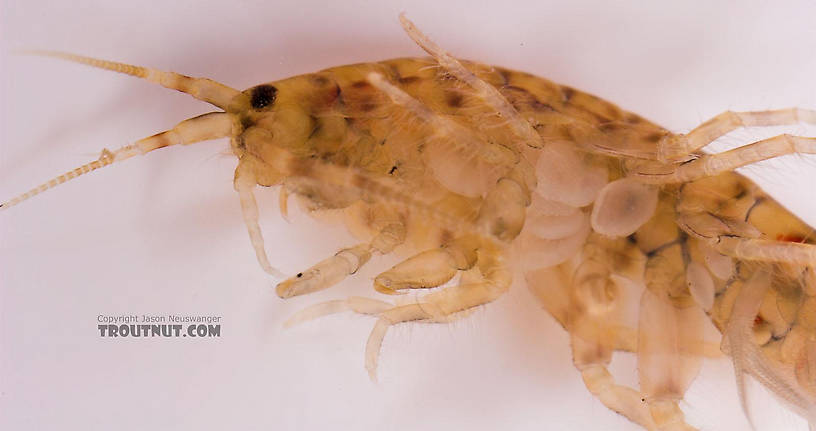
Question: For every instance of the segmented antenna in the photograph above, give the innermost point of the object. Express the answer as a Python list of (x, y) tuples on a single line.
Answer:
[(202, 128), (104, 160), (203, 89)]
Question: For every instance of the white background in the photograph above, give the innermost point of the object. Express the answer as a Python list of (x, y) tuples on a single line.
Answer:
[(164, 234)]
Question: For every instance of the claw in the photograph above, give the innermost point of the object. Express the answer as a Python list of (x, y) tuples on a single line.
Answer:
[(326, 273)]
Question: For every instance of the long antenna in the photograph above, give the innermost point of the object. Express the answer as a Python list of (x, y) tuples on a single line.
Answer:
[(202, 128), (203, 89)]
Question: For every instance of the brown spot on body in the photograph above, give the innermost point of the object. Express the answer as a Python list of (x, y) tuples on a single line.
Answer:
[(498, 228), (360, 84), (516, 88), (240, 144), (611, 127), (520, 98), (408, 80), (367, 104), (328, 156), (598, 117), (654, 137), (611, 110), (246, 121), (333, 96), (445, 237), (319, 80), (567, 93), (326, 97), (633, 119), (395, 73), (360, 182), (542, 107), (568, 132), (505, 75), (316, 128), (454, 99), (300, 167)]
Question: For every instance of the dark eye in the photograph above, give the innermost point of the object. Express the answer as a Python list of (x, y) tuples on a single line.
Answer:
[(263, 96)]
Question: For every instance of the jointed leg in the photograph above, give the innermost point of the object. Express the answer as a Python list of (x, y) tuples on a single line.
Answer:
[(356, 304), (486, 92), (618, 398), (430, 268), (766, 250), (441, 306), (711, 130), (345, 262), (573, 296), (244, 184), (714, 164)]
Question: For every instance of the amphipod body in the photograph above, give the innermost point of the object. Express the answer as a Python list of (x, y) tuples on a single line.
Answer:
[(480, 172)]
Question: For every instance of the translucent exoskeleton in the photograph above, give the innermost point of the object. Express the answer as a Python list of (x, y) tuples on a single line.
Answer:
[(478, 172)]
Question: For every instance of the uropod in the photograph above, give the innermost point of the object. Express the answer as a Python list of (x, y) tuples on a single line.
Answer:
[(480, 171)]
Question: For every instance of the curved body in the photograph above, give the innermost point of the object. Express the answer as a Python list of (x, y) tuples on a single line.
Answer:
[(481, 172)]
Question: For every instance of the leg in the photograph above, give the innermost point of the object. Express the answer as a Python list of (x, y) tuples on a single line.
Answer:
[(356, 304), (739, 342), (345, 262), (669, 355), (326, 273), (430, 268), (522, 129), (592, 352), (678, 146), (765, 250), (580, 296), (442, 306), (713, 164), (244, 185), (620, 399), (202, 128), (592, 340)]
